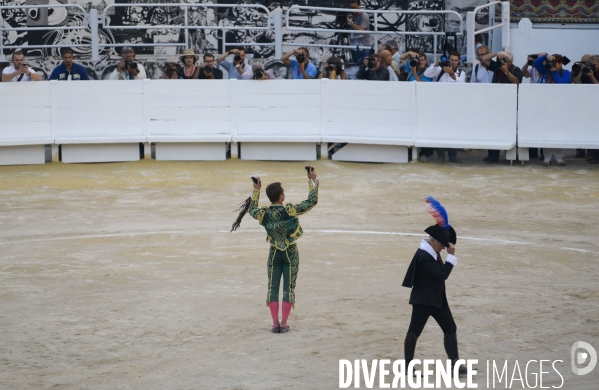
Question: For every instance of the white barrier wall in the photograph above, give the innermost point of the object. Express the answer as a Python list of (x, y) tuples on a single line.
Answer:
[(472, 116), (558, 116), (25, 114), (368, 112), (285, 119)]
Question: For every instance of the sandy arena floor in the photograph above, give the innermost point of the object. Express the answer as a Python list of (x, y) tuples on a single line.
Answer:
[(125, 276)]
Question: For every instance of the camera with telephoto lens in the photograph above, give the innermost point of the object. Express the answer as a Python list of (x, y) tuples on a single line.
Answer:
[(131, 64), (588, 68), (549, 64), (258, 74), (330, 67), (444, 62), (300, 58), (534, 57), (208, 70), (414, 62), (237, 58), (500, 62), (371, 62)]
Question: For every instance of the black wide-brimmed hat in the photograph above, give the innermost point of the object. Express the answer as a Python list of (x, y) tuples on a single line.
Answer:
[(440, 234)]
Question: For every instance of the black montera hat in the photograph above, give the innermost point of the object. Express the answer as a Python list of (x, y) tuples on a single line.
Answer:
[(440, 234), (453, 238)]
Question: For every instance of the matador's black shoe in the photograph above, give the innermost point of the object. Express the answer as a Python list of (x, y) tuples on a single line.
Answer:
[(276, 329)]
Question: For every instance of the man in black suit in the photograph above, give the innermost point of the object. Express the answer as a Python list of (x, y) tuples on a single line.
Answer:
[(426, 276)]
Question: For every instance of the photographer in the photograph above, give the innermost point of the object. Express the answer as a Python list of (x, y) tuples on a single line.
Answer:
[(529, 71), (301, 67), (504, 71), (260, 73), (333, 69), (207, 69), (445, 70), (586, 72), (68, 70), (551, 71), (481, 74), (18, 71), (415, 65), (128, 69), (358, 21), (237, 69), (371, 69), (171, 71)]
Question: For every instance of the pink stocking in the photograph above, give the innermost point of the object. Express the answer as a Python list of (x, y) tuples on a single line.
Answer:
[(274, 312), (286, 310)]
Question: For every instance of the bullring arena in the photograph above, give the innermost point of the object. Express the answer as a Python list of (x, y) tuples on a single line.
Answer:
[(125, 275)]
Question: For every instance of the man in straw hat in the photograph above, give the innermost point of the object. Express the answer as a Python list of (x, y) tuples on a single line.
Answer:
[(283, 230), (426, 276)]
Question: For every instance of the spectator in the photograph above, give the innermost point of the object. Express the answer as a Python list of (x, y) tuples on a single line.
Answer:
[(301, 67), (171, 71), (587, 72), (394, 65), (386, 61), (504, 72), (415, 65), (128, 68), (593, 62), (481, 72), (394, 51), (68, 70), (371, 69), (582, 73), (333, 69), (445, 70), (189, 69), (237, 69), (18, 71), (358, 21), (208, 70), (551, 70), (260, 73)]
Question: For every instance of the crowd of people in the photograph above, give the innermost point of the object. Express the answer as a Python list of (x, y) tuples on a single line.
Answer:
[(388, 64)]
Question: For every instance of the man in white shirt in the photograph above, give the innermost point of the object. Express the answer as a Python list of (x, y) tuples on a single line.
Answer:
[(18, 71), (128, 68), (481, 73), (447, 72)]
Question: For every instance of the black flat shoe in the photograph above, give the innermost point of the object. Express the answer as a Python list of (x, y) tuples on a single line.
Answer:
[(284, 329), (276, 329)]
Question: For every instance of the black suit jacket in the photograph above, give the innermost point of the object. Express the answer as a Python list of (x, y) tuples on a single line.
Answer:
[(426, 276)]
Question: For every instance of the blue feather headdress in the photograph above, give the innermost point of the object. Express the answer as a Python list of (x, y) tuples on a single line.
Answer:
[(438, 212)]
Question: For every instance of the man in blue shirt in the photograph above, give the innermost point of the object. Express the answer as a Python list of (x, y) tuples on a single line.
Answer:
[(68, 71), (301, 67)]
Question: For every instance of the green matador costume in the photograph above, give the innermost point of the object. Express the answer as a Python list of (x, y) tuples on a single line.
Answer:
[(283, 229)]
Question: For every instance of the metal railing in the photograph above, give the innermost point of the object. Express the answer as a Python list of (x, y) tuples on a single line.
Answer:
[(186, 26), (504, 25), (83, 26), (271, 21), (376, 31)]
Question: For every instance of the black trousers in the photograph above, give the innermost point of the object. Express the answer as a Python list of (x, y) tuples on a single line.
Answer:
[(443, 316)]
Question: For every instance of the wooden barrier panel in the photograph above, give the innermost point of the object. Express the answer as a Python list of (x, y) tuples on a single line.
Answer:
[(276, 119), (188, 119), (98, 111), (368, 112), (25, 114), (558, 116), (477, 116)]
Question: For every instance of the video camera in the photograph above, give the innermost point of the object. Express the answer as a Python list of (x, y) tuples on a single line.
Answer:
[(341, 21)]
